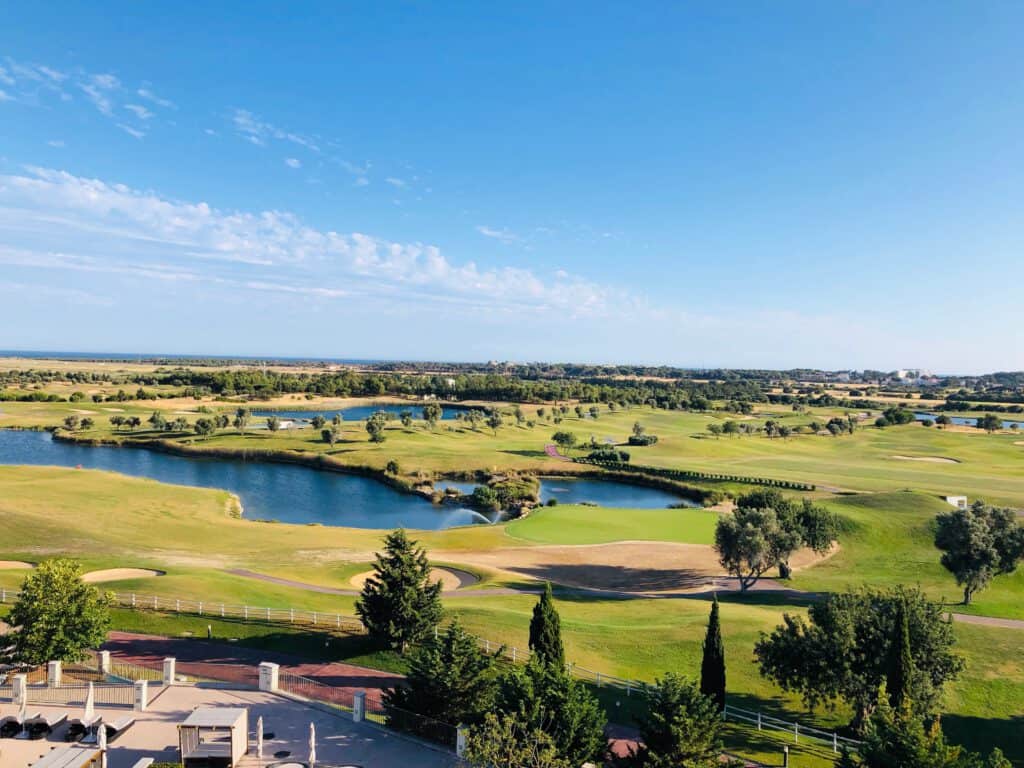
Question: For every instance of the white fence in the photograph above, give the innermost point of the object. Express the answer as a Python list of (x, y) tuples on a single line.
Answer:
[(338, 621)]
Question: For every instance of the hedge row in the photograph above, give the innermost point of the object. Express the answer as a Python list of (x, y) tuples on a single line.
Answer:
[(685, 474)]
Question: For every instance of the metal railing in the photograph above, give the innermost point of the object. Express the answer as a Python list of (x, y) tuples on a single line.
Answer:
[(105, 694), (792, 728)]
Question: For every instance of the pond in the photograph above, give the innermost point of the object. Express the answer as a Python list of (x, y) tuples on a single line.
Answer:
[(296, 494), (359, 412), (603, 493), (966, 421)]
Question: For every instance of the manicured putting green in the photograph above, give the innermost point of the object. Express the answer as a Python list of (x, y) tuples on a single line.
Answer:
[(580, 524)]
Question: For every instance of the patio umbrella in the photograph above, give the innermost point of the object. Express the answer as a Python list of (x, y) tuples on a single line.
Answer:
[(101, 743), (23, 708), (312, 746), (259, 737), (90, 704)]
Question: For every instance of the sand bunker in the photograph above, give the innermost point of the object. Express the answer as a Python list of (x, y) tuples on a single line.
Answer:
[(119, 574), (82, 410), (931, 459), (450, 578), (14, 565)]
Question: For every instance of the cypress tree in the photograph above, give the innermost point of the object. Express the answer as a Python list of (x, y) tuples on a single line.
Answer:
[(398, 605), (712, 665), (546, 631), (900, 674)]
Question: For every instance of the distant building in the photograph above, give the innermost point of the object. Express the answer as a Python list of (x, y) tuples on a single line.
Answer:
[(960, 502)]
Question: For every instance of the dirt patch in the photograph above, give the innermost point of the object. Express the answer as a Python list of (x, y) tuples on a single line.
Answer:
[(450, 578), (930, 459), (82, 410), (119, 574), (15, 565)]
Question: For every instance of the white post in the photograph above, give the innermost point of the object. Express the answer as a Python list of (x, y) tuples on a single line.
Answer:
[(141, 695), (460, 741), (759, 720), (835, 743), (200, 607), (796, 733), (245, 612), (169, 671), (105, 662), (291, 615), (513, 654), (19, 690), (359, 707), (133, 599), (269, 676), (53, 674)]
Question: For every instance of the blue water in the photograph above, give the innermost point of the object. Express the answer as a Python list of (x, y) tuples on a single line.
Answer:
[(966, 421), (359, 412), (283, 492), (604, 493)]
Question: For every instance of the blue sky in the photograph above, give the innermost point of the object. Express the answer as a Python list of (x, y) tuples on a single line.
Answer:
[(740, 184)]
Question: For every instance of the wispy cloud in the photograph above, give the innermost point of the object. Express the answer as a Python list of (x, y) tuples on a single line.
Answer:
[(396, 182), (139, 111), (4, 96), (69, 222), (258, 132), (146, 93), (503, 235), (58, 143), (134, 132), (293, 162)]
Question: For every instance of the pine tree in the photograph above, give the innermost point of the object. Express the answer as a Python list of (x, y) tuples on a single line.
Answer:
[(399, 606), (900, 674), (450, 682), (546, 631), (712, 665), (680, 727)]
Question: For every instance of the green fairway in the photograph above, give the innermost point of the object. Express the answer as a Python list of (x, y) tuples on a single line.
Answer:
[(581, 524)]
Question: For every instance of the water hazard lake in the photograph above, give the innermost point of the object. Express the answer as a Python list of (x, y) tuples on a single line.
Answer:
[(358, 412), (296, 494)]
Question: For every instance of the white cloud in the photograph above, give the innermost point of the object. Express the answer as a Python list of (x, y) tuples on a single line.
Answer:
[(5, 77), (497, 234), (258, 132), (395, 182), (134, 132), (293, 162), (139, 111), (58, 143), (61, 221), (362, 181), (147, 94), (4, 96)]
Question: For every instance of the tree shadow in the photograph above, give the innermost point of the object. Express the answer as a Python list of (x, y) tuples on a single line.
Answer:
[(982, 734), (614, 577), (527, 453)]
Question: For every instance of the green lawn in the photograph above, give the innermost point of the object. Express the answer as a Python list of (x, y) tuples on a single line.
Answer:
[(581, 524)]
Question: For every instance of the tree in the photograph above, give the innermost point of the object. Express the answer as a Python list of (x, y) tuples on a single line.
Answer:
[(204, 427), (801, 524), (318, 422), (375, 426), (273, 423), (680, 728), (579, 411), (978, 544), (749, 542), (392, 467), (133, 422), (546, 630), (432, 414), (715, 429), (507, 742), (843, 652), (57, 616), (494, 421), (117, 421), (638, 429), (450, 680), (565, 440), (76, 397), (157, 421), (87, 423), (896, 738), (990, 423), (221, 421), (71, 422), (180, 424), (399, 605), (406, 418), (546, 697), (241, 419), (900, 674), (329, 435), (595, 412), (712, 665), (518, 415), (731, 427)]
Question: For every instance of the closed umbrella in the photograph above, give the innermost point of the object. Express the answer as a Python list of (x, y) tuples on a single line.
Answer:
[(90, 704), (23, 708), (312, 746), (259, 737)]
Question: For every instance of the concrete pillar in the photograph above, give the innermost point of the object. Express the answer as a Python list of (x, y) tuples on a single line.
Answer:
[(269, 676), (19, 689), (53, 674), (169, 674), (105, 662), (359, 707), (460, 740), (141, 696)]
